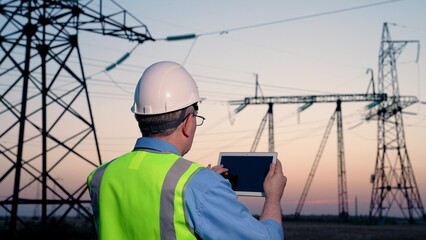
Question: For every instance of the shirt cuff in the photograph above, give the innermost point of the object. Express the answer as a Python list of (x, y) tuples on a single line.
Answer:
[(276, 230)]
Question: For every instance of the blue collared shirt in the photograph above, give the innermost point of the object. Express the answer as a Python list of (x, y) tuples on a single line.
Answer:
[(213, 209)]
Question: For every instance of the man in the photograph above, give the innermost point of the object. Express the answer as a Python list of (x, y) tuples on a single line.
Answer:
[(154, 193)]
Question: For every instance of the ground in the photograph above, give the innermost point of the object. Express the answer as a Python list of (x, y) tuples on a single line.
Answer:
[(334, 231), (306, 228)]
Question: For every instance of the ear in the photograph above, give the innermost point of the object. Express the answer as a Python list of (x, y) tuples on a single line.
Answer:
[(186, 126)]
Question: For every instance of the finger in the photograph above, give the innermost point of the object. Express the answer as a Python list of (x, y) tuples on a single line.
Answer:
[(222, 171), (209, 166), (279, 167)]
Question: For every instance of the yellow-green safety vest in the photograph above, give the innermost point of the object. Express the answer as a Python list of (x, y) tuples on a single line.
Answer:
[(140, 195)]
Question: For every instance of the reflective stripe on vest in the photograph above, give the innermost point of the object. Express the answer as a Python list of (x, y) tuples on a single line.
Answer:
[(140, 196)]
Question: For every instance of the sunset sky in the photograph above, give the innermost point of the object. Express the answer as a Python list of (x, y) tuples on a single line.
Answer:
[(296, 48)]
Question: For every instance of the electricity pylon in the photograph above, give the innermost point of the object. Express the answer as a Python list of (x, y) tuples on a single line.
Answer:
[(393, 179), (308, 101), (47, 127)]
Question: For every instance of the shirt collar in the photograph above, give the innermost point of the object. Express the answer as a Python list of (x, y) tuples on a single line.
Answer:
[(156, 144)]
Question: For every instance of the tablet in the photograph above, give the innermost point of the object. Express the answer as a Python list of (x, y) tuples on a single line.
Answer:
[(247, 170)]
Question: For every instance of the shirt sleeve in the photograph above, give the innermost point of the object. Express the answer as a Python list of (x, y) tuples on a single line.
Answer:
[(214, 212)]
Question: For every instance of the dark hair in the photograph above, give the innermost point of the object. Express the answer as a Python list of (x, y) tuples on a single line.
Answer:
[(161, 125)]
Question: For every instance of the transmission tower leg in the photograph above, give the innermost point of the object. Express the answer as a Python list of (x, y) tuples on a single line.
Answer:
[(271, 128), (259, 133), (341, 167), (314, 166), (28, 31)]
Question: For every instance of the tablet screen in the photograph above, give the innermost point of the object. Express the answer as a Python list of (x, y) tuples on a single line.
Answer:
[(247, 171)]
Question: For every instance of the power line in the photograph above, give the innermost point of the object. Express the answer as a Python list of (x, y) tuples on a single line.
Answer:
[(320, 14)]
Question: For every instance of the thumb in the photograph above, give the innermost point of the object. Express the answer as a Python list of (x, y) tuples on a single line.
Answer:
[(272, 168)]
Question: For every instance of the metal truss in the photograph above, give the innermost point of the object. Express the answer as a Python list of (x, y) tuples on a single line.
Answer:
[(47, 130), (393, 178)]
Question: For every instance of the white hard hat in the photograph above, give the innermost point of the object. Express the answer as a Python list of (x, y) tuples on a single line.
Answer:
[(164, 87)]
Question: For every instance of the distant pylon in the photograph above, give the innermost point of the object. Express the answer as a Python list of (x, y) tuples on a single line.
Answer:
[(393, 179)]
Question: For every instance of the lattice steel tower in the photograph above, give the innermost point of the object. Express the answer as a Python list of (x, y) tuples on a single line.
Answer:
[(393, 179), (47, 127)]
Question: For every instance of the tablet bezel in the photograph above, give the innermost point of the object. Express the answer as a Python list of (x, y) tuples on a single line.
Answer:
[(248, 154)]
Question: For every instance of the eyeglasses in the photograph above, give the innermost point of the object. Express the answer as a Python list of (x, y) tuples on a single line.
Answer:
[(199, 119)]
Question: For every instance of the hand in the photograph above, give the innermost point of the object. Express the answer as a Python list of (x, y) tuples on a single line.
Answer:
[(273, 186), (219, 169), (275, 182)]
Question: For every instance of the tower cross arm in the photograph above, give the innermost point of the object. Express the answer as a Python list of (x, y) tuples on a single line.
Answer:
[(390, 107), (311, 99), (121, 23)]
